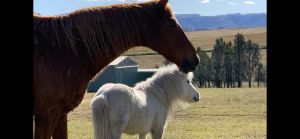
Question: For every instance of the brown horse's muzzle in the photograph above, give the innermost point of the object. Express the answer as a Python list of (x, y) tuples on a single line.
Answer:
[(189, 65)]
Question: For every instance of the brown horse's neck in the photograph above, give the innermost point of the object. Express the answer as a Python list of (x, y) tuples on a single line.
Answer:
[(110, 31), (89, 39)]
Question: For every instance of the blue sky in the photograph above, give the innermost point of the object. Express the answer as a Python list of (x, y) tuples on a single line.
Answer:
[(203, 7)]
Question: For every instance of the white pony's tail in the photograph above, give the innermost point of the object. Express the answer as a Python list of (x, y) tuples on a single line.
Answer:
[(100, 110)]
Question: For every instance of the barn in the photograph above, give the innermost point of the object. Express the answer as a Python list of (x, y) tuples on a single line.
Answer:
[(122, 70)]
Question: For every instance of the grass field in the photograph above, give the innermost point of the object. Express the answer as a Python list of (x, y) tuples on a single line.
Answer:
[(221, 113), (205, 40)]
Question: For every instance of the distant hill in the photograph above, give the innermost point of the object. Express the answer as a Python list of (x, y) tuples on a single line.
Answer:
[(195, 22)]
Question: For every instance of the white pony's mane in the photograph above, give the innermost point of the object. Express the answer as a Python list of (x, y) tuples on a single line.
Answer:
[(166, 85)]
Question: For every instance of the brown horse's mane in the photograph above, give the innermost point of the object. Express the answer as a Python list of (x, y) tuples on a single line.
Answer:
[(99, 31)]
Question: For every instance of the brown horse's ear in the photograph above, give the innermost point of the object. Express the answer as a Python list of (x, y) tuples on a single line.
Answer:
[(163, 3)]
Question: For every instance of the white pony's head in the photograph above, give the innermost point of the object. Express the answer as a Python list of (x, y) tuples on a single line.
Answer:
[(171, 79), (189, 91)]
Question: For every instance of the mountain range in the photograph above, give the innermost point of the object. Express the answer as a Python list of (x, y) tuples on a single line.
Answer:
[(195, 22)]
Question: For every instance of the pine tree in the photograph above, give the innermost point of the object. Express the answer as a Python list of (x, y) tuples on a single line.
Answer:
[(261, 75), (228, 65), (201, 72), (252, 60), (239, 58), (218, 56), (210, 73)]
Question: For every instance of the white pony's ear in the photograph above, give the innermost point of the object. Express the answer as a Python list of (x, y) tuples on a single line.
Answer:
[(174, 66), (190, 76)]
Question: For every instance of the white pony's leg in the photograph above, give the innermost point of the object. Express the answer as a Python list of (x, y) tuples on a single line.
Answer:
[(118, 126), (116, 134), (142, 136), (157, 133), (117, 130)]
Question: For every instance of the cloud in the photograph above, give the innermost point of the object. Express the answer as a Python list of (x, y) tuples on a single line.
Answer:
[(249, 2), (232, 3), (204, 1), (219, 0)]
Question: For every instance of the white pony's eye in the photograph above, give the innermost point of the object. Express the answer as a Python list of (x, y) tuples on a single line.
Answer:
[(188, 81)]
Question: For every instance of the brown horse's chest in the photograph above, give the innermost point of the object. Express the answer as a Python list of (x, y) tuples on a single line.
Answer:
[(73, 100), (72, 93), (62, 101), (60, 91)]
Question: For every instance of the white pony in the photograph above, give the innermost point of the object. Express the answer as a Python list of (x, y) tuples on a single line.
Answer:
[(117, 108)]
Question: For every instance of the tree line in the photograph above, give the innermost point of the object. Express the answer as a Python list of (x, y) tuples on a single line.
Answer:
[(230, 64)]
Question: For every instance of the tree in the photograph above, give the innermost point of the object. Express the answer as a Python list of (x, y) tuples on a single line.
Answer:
[(252, 57), (228, 65), (210, 73), (201, 71), (239, 58), (218, 55), (261, 74)]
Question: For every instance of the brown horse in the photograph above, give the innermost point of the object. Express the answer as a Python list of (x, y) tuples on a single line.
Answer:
[(70, 49)]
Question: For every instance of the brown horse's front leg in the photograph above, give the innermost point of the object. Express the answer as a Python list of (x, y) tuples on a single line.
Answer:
[(60, 130), (44, 126)]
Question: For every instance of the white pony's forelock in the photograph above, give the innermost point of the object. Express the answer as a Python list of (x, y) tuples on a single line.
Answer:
[(169, 67)]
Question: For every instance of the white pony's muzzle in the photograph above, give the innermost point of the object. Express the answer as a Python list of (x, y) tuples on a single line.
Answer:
[(196, 97)]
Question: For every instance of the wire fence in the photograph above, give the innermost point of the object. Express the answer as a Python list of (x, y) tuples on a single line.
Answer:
[(136, 51)]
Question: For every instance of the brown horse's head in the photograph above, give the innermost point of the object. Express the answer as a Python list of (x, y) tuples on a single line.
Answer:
[(171, 41)]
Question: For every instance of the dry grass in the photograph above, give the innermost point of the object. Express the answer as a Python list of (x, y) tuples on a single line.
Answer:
[(221, 113), (206, 39)]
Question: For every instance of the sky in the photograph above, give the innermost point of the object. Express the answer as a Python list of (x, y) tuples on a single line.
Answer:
[(202, 7)]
